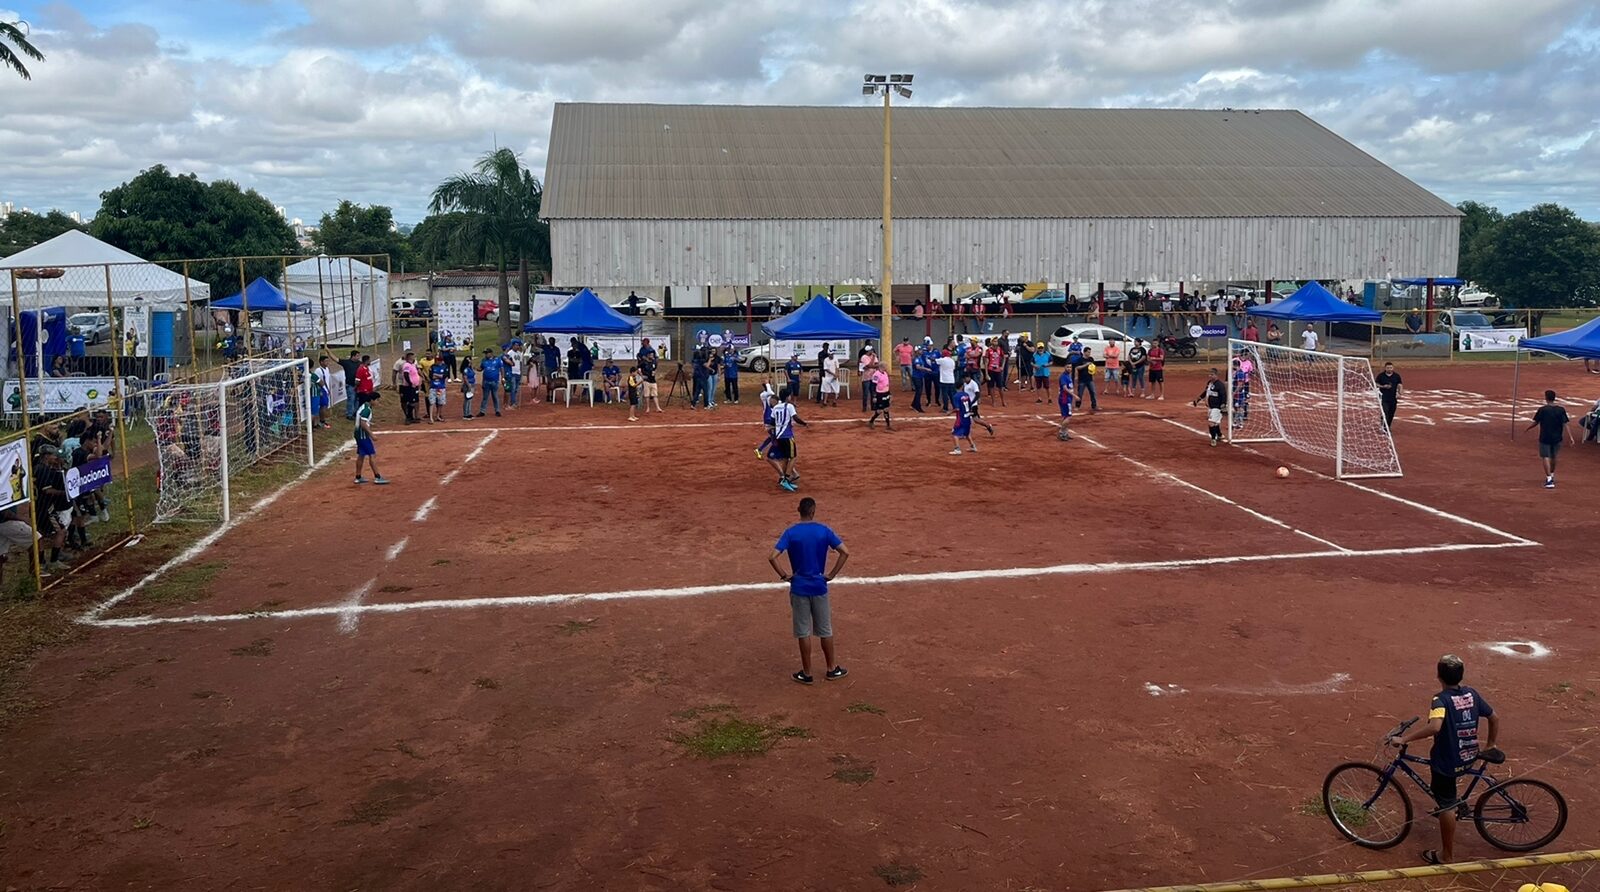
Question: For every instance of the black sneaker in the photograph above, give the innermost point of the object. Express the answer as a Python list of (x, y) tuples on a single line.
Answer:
[(837, 672), (802, 678)]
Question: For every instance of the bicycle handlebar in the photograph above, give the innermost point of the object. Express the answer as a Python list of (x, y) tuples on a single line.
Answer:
[(1401, 728)]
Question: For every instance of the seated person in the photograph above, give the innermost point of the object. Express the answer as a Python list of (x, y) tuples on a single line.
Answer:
[(612, 377)]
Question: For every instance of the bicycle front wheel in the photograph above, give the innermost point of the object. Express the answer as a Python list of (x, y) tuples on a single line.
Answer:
[(1520, 815), (1365, 807)]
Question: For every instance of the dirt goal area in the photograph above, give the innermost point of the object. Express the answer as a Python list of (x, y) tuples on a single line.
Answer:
[(550, 655)]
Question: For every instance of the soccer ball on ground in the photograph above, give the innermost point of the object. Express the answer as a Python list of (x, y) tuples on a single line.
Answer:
[(1283, 472)]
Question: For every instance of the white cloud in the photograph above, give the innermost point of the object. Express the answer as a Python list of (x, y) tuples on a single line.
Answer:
[(377, 100)]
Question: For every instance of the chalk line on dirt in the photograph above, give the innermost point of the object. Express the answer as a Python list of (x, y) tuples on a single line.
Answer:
[(209, 539), (349, 613), (976, 575), (425, 509)]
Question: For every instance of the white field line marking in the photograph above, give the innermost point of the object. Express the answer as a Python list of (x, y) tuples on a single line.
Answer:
[(395, 549), (754, 422), (451, 475), (1427, 509), (209, 539), (1164, 475), (349, 612), (425, 509), (1527, 650), (978, 575), (1334, 684)]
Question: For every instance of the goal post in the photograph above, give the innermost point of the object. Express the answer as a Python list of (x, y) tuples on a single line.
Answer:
[(1324, 404), (210, 435)]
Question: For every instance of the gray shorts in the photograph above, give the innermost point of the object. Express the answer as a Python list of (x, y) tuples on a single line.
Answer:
[(1549, 450), (811, 616)]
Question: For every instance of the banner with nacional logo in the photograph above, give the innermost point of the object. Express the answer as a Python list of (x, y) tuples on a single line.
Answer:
[(88, 477), (1489, 340)]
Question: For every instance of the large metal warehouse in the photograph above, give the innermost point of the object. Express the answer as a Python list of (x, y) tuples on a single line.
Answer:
[(703, 195)]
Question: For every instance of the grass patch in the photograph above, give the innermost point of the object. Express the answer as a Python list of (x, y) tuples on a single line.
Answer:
[(1349, 811), (896, 874), (484, 682), (184, 585), (867, 708), (261, 647), (143, 823), (852, 771), (731, 735), (576, 626), (695, 712)]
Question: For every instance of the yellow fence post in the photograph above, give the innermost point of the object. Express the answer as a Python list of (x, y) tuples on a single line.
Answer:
[(27, 431)]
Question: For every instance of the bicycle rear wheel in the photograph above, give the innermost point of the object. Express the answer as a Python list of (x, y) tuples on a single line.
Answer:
[(1365, 807), (1520, 815)]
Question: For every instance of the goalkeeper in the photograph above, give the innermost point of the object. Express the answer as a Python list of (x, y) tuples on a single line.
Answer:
[(1216, 397)]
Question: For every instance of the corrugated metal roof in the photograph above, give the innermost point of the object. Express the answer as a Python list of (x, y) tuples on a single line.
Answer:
[(719, 162)]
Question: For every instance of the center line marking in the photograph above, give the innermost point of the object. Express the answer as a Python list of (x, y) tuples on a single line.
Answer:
[(425, 509), (395, 549), (350, 610)]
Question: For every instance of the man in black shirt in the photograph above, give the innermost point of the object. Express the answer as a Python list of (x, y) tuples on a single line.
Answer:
[(1388, 392), (350, 366), (1551, 420), (1216, 397)]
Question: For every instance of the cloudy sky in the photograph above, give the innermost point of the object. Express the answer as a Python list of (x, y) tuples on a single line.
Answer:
[(377, 100)]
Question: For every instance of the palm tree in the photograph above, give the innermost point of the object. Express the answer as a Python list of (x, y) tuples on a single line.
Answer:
[(498, 201), (17, 33)]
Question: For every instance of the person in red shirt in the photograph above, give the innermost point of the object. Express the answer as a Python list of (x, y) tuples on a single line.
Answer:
[(1158, 374), (364, 382), (903, 352), (994, 361)]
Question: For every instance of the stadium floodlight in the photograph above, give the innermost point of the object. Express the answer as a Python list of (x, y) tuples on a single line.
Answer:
[(868, 90), (903, 91), (888, 86), (1321, 403)]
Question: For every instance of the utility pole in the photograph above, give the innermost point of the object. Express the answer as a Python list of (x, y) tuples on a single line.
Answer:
[(888, 85)]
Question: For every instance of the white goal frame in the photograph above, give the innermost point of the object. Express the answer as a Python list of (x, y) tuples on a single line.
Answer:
[(234, 375), (1344, 401)]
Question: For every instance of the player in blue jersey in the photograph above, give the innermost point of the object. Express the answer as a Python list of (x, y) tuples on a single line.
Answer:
[(783, 452), (768, 398), (963, 428), (1064, 400)]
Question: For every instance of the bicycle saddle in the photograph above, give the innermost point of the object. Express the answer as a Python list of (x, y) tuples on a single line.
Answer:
[(1493, 756)]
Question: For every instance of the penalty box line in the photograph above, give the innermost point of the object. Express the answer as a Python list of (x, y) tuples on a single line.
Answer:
[(1426, 509), (976, 575)]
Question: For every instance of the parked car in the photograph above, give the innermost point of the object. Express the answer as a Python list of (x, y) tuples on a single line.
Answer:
[(759, 358), (410, 312), (985, 297), (852, 299), (1094, 339), (771, 303), (1473, 296), (92, 327), (1047, 296), (488, 311), (1454, 321), (647, 306)]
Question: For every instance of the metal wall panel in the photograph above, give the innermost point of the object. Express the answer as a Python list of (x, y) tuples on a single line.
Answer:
[(947, 251)]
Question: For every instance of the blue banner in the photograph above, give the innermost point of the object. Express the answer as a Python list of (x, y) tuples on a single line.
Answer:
[(88, 477)]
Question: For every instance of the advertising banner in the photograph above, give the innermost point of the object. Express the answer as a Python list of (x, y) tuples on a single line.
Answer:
[(618, 347), (1412, 346), (135, 331), (58, 395), (1489, 340), (88, 477), (716, 336), (14, 471), (808, 350), (455, 316)]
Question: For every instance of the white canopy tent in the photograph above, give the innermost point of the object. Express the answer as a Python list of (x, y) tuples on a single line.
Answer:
[(349, 301), (83, 262)]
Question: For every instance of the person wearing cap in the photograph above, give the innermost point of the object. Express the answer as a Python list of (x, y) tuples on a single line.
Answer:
[(1138, 362), (864, 362), (1041, 370), (53, 511), (902, 356), (649, 390), (791, 372)]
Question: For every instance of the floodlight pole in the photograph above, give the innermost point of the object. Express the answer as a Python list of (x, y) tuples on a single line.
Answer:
[(887, 289)]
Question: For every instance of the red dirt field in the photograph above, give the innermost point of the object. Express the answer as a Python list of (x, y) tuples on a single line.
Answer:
[(1097, 726)]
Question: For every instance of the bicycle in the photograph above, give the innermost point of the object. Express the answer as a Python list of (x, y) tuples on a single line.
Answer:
[(1363, 800)]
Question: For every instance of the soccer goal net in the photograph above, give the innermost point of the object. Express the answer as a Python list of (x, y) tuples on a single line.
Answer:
[(209, 436), (1320, 403)]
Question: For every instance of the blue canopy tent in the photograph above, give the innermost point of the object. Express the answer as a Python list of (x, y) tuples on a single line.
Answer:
[(1582, 342), (259, 296), (584, 314), (817, 320), (1314, 303)]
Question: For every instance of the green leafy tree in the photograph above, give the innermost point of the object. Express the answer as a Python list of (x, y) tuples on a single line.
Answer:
[(15, 34), (24, 229), (433, 246), (1543, 257), (361, 230), (159, 216), (1479, 223), (499, 203)]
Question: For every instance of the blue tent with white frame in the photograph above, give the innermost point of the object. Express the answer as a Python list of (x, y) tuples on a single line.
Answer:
[(259, 296), (1314, 303), (817, 320), (584, 314), (1582, 342)]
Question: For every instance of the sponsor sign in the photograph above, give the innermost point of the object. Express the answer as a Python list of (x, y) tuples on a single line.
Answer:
[(1489, 340), (1412, 346), (57, 395), (135, 331), (14, 473), (604, 347), (455, 316), (717, 337), (1212, 331), (88, 477)]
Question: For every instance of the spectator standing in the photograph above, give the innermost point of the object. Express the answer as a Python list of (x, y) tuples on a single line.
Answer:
[(1551, 420), (1274, 335), (730, 374), (864, 361), (1113, 357), (492, 368), (351, 367), (807, 544), (438, 383), (1308, 339), (830, 369), (1139, 363), (513, 359), (1040, 368), (700, 365), (1251, 333), (364, 381), (322, 394), (947, 379), (649, 388), (469, 386), (903, 354), (409, 382), (791, 372), (1414, 322)]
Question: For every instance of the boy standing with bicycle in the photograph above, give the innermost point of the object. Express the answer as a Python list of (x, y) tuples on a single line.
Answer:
[(1453, 725)]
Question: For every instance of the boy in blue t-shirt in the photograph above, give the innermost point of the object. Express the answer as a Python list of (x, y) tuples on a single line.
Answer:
[(612, 377), (469, 383), (1453, 724), (792, 370), (491, 368), (963, 428), (1064, 399), (807, 544), (438, 381), (730, 374)]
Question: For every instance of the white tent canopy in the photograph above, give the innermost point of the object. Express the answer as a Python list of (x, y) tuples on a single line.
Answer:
[(84, 260), (349, 300)]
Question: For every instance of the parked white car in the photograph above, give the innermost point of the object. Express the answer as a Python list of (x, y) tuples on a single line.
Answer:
[(1094, 339), (92, 327), (647, 306), (1473, 296), (853, 299)]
